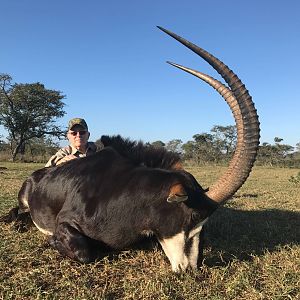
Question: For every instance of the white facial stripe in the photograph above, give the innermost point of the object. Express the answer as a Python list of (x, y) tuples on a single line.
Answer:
[(174, 249), (44, 231), (197, 229), (194, 250), (194, 238)]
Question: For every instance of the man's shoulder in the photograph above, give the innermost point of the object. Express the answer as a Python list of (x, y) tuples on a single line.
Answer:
[(65, 150)]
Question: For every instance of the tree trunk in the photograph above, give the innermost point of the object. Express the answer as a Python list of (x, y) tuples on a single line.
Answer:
[(17, 150)]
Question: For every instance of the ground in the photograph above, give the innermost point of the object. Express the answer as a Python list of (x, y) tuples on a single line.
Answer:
[(252, 250)]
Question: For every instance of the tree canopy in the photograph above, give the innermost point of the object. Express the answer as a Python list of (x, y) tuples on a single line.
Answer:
[(28, 111)]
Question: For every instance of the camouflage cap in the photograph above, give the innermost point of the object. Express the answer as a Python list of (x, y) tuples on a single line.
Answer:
[(77, 121)]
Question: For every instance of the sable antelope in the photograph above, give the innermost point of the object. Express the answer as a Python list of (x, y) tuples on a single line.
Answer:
[(128, 190)]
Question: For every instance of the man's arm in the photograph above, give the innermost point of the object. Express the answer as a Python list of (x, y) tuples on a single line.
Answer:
[(61, 156)]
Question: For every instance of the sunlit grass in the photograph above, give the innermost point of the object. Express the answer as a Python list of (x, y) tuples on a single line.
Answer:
[(252, 251)]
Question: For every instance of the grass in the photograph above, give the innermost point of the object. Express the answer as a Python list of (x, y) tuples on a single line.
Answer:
[(252, 251)]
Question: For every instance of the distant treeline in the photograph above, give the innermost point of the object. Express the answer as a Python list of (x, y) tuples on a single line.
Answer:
[(216, 147), (29, 112)]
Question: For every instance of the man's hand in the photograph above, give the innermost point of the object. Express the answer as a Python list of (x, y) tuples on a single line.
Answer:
[(66, 158)]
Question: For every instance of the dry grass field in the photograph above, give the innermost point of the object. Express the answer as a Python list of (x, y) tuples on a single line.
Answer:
[(252, 251)]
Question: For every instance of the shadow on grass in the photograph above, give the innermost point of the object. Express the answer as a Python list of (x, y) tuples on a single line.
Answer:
[(237, 234)]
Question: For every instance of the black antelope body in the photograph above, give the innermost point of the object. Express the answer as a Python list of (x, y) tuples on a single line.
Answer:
[(128, 190)]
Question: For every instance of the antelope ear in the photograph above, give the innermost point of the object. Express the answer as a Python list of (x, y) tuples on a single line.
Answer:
[(177, 193), (177, 198)]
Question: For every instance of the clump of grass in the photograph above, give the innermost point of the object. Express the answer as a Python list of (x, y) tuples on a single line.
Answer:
[(295, 179)]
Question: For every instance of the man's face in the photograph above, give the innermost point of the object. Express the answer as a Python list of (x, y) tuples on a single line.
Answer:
[(78, 136)]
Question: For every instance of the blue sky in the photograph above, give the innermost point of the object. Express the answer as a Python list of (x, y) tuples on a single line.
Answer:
[(108, 58)]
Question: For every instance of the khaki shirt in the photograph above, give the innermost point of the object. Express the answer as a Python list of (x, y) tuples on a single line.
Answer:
[(61, 153)]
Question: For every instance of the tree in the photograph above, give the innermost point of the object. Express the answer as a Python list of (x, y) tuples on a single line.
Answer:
[(206, 149), (174, 145), (189, 150), (158, 144), (265, 154), (277, 140), (217, 146), (28, 111), (40, 149), (225, 138), (202, 149), (298, 147), (282, 150), (276, 154)]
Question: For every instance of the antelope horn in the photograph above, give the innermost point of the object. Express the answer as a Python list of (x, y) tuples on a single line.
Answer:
[(246, 119)]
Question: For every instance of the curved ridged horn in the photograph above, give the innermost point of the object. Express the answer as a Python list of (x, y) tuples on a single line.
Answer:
[(245, 116)]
